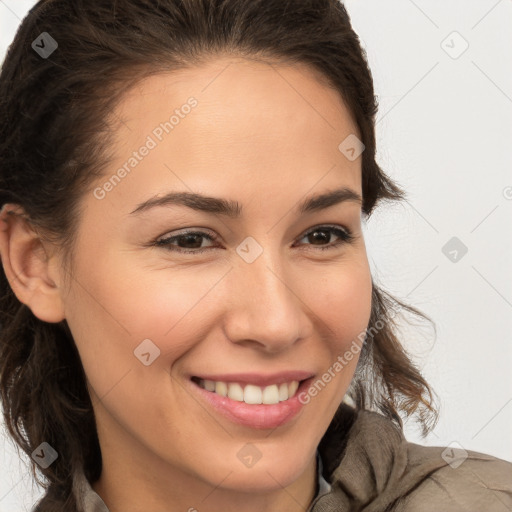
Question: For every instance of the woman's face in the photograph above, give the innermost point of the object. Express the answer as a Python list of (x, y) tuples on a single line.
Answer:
[(255, 300)]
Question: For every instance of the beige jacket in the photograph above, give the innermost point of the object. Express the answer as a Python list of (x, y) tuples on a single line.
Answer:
[(366, 465)]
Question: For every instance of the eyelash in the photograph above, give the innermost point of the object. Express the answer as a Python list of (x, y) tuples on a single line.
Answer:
[(345, 235)]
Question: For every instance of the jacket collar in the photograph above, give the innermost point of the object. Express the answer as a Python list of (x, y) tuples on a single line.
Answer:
[(334, 442), (364, 456)]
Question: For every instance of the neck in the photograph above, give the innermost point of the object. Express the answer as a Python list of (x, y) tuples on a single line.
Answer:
[(126, 489), (140, 479)]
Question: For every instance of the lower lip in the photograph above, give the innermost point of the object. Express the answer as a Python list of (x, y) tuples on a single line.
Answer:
[(258, 416)]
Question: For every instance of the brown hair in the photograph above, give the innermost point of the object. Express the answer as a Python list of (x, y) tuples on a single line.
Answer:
[(55, 133)]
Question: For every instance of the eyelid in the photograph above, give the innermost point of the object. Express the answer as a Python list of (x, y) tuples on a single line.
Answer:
[(163, 240), (346, 237)]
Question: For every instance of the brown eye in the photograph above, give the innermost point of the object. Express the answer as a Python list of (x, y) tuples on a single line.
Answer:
[(320, 234), (189, 242)]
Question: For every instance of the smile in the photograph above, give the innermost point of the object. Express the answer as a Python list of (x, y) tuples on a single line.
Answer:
[(249, 393), (253, 400)]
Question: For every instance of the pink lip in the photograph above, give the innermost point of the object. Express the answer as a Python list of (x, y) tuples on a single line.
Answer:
[(258, 416), (258, 379)]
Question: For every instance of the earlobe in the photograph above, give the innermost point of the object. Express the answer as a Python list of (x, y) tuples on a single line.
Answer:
[(26, 264)]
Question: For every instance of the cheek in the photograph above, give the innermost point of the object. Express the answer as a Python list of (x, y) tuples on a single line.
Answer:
[(120, 302), (114, 306), (342, 297), (344, 303), (129, 299)]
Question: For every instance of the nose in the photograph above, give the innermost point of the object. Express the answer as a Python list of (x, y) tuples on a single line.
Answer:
[(266, 310)]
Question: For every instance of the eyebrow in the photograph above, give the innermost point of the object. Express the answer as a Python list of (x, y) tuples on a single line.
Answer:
[(233, 209)]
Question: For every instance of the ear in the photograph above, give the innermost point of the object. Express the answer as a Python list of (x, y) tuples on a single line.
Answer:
[(27, 265)]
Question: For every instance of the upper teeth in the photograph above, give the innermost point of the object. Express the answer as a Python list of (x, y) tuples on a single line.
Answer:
[(251, 394)]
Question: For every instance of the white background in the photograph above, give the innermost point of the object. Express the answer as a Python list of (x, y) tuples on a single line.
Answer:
[(444, 132)]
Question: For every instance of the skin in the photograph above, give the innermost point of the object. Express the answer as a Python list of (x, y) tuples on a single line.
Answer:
[(255, 128)]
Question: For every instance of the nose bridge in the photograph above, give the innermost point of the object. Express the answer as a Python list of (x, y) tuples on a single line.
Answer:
[(266, 309)]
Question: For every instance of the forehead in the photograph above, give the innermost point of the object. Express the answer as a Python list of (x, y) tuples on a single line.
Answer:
[(235, 92), (254, 125)]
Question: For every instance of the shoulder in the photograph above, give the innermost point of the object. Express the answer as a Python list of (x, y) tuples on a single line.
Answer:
[(466, 481), (380, 470)]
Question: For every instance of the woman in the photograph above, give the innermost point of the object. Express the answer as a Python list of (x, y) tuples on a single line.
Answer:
[(180, 331)]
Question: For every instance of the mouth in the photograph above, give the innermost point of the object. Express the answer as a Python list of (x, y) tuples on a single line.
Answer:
[(255, 402), (251, 393)]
